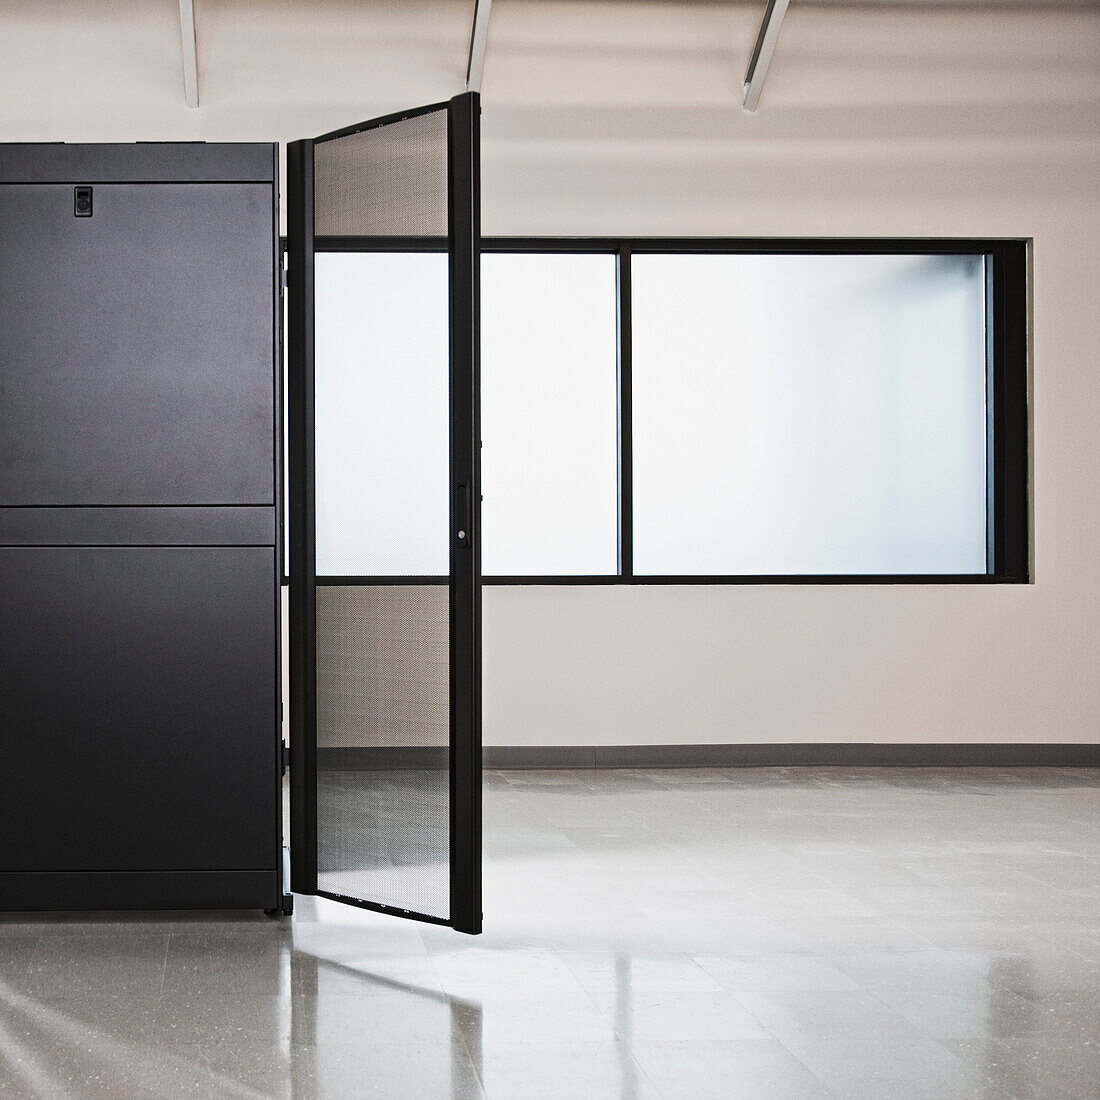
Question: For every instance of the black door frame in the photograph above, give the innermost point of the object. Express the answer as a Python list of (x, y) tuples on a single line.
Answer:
[(463, 245)]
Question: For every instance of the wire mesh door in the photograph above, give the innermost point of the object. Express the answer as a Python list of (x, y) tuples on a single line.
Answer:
[(385, 581)]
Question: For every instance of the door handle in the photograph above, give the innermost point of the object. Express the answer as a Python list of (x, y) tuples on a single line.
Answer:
[(463, 513)]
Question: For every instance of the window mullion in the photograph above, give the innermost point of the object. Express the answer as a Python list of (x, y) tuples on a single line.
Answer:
[(624, 404)]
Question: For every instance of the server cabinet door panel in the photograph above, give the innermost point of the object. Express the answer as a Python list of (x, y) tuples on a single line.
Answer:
[(385, 592), (139, 692), (137, 345)]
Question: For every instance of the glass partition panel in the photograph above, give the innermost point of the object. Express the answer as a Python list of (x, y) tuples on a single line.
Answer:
[(809, 414), (548, 414), (381, 413)]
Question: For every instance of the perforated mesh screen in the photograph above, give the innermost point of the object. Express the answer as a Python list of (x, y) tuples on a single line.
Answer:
[(383, 650), (389, 181), (383, 736)]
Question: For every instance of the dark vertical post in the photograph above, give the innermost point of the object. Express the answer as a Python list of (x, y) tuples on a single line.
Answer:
[(1016, 489), (625, 423), (992, 394), (464, 233), (303, 635), (279, 482), (1010, 412)]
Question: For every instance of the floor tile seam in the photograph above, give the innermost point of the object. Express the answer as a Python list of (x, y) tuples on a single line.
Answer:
[(1001, 1092), (830, 1090), (478, 1066), (1050, 942), (878, 922), (918, 1028), (778, 855), (591, 997), (618, 1044), (862, 990), (31, 955), (763, 1026), (901, 925), (451, 997), (628, 1046), (777, 1038), (1042, 882), (954, 1061), (826, 1089), (845, 892), (874, 986), (162, 985)]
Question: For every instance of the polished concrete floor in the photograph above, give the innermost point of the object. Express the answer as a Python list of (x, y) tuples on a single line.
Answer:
[(794, 933)]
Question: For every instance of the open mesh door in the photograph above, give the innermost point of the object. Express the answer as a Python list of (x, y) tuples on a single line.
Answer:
[(385, 561)]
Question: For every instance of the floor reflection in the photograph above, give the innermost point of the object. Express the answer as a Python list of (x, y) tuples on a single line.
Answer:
[(718, 934), (351, 993), (624, 1025)]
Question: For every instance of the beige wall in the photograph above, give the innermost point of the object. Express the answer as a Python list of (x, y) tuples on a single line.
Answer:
[(616, 117)]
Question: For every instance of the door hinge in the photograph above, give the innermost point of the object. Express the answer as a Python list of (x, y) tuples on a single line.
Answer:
[(285, 756)]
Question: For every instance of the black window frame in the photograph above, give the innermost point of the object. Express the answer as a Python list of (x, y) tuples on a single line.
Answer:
[(1008, 552), (1008, 523)]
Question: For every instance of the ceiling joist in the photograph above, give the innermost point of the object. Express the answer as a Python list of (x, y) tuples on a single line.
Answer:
[(190, 53), (478, 39), (762, 54)]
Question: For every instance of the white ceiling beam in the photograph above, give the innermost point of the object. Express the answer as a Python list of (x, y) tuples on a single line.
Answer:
[(190, 53), (762, 54), (479, 38)]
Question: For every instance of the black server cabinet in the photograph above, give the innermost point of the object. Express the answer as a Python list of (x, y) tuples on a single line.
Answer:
[(140, 527)]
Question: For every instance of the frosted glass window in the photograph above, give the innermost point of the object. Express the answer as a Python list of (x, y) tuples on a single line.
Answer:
[(548, 414), (799, 414), (381, 416)]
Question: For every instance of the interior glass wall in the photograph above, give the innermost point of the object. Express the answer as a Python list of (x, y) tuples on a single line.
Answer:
[(809, 414), (548, 414)]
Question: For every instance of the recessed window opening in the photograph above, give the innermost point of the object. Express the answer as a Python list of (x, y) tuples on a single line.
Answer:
[(716, 411)]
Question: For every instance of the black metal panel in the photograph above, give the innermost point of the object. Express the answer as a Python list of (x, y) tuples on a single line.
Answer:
[(139, 493), (335, 581), (1009, 413), (140, 704), (464, 197), (28, 891), (198, 526), (137, 346), (838, 246), (762, 578), (141, 162), (303, 631), (378, 243)]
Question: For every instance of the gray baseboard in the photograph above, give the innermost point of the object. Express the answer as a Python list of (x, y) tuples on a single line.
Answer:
[(792, 756)]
